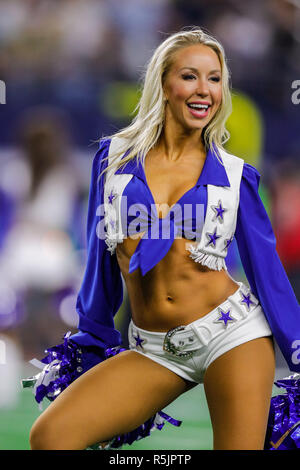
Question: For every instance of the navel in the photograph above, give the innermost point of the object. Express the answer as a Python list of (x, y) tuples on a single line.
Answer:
[(170, 298)]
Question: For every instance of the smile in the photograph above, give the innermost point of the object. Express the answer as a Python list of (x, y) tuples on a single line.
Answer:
[(198, 110)]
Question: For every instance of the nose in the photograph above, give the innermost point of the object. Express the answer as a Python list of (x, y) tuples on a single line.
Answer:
[(202, 88)]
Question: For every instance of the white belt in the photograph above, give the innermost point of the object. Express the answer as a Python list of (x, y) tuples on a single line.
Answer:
[(183, 340)]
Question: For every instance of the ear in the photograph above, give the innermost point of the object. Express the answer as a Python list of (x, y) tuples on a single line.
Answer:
[(165, 94)]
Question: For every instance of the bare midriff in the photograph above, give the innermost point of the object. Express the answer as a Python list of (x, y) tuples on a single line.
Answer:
[(176, 291)]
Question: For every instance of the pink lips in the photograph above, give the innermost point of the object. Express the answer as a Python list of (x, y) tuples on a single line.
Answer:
[(200, 114)]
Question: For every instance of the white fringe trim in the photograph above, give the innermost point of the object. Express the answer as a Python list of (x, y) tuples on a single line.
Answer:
[(216, 263), (111, 245)]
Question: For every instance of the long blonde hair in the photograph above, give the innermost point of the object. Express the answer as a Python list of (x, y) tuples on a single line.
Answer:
[(146, 127)]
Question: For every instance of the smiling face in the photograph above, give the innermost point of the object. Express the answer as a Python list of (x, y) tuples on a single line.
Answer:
[(193, 87)]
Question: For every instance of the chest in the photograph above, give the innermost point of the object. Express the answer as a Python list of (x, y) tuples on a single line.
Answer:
[(170, 181)]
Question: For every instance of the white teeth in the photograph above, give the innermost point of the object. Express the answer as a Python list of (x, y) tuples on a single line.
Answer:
[(199, 106)]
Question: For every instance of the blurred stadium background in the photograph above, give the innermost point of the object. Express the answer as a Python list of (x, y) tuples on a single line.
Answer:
[(72, 70)]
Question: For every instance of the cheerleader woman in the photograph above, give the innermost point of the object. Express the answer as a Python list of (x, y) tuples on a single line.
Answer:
[(191, 321)]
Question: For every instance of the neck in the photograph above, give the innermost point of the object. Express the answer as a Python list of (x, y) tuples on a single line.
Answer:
[(175, 142)]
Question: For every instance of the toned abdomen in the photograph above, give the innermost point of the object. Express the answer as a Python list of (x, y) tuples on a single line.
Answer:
[(176, 291)]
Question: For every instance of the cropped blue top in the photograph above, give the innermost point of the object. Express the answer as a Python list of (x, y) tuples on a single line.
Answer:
[(101, 292), (185, 218)]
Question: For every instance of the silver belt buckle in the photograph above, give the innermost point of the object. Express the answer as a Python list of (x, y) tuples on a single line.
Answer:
[(169, 347)]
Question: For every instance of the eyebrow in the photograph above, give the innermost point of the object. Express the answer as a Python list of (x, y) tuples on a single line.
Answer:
[(195, 70)]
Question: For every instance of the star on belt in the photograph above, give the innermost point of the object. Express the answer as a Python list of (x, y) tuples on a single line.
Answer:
[(225, 317), (246, 300), (138, 340)]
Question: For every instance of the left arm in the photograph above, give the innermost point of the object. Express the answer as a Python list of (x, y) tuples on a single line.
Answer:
[(263, 268)]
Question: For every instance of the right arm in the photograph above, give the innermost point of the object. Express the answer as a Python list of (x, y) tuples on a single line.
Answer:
[(99, 298), (101, 292)]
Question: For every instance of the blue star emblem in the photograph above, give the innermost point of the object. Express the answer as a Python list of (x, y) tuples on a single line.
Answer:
[(212, 237), (219, 211), (138, 341), (225, 317), (246, 301), (227, 243), (111, 197)]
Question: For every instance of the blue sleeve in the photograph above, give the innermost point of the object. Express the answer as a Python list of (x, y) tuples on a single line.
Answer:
[(101, 292), (263, 268)]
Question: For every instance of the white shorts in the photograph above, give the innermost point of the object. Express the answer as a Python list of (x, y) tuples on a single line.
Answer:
[(188, 350)]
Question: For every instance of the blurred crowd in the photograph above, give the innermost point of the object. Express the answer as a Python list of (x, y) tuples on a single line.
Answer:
[(72, 70), (79, 53)]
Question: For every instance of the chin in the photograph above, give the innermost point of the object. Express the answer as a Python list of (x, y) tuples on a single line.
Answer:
[(195, 127)]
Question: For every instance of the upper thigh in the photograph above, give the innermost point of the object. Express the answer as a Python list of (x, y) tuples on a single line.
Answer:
[(238, 387), (252, 360), (112, 398)]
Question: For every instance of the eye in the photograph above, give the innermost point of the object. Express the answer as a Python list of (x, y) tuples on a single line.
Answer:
[(188, 77), (215, 79)]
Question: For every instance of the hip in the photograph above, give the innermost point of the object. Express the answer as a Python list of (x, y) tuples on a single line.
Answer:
[(189, 349)]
